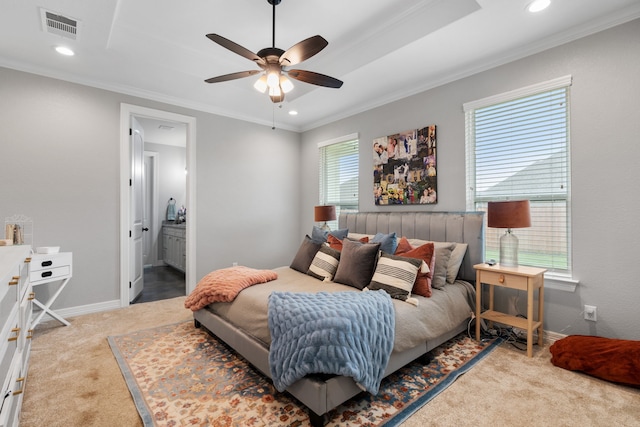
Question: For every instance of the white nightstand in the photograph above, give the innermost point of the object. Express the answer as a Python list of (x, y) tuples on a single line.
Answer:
[(521, 278), (48, 268)]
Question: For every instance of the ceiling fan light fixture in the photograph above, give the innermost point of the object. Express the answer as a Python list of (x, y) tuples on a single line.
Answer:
[(285, 84), (274, 62), (273, 80), (261, 84), (275, 91)]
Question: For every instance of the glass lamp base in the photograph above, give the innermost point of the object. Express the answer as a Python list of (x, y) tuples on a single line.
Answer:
[(509, 250)]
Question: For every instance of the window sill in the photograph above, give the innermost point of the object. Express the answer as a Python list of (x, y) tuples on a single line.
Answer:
[(560, 282)]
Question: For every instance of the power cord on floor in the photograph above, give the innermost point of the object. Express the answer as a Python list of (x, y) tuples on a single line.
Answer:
[(509, 335)]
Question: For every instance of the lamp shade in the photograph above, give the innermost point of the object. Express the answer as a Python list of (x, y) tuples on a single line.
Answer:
[(508, 214), (324, 213)]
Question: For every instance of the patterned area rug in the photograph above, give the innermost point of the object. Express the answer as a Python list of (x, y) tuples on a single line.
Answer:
[(180, 375)]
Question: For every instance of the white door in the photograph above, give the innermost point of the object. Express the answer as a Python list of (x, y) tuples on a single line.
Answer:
[(136, 189)]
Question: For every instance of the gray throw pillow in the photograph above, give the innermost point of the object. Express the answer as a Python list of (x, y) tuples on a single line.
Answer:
[(442, 255), (357, 263), (307, 250)]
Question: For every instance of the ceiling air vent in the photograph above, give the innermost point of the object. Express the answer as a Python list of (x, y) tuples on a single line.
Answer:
[(59, 24)]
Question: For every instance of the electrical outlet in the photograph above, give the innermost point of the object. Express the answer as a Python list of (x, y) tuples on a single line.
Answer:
[(590, 313), (235, 264)]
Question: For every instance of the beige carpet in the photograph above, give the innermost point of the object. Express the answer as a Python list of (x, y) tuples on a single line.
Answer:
[(74, 380)]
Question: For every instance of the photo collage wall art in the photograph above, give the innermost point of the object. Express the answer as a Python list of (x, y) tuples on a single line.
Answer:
[(404, 168)]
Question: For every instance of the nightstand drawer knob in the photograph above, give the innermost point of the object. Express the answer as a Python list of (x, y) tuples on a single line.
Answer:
[(501, 279)]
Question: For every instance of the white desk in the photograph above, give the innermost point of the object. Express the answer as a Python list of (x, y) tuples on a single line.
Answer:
[(47, 268)]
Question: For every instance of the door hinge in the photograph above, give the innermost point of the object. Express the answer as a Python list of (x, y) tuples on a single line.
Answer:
[(129, 285), (130, 182), (130, 131), (129, 233)]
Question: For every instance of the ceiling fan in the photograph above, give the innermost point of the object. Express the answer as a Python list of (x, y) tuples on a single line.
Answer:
[(275, 63)]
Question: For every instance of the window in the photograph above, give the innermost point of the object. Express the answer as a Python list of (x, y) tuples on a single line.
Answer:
[(339, 175), (518, 148)]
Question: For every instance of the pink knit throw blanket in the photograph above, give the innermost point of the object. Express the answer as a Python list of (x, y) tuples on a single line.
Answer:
[(225, 284)]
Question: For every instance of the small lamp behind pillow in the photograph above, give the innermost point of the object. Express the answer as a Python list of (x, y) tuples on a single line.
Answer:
[(323, 214)]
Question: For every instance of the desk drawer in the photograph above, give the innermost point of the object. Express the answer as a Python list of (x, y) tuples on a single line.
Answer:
[(49, 261), (50, 274), (504, 279)]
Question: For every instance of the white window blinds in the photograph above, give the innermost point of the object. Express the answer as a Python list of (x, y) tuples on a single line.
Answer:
[(339, 174), (518, 148)]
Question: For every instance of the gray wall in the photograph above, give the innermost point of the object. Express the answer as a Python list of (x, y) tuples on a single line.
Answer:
[(60, 148), (60, 165), (605, 124)]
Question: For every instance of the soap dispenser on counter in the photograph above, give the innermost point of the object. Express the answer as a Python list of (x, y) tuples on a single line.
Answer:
[(182, 215)]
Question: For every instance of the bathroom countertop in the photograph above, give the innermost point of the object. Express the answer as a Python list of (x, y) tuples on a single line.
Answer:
[(173, 224)]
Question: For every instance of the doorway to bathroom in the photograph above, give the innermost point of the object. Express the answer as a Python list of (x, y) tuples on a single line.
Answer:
[(169, 144), (164, 220)]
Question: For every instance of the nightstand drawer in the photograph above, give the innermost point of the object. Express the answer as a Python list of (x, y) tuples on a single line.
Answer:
[(49, 261), (50, 274), (504, 279)]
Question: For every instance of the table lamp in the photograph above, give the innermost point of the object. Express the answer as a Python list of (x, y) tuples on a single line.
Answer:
[(508, 214), (324, 214)]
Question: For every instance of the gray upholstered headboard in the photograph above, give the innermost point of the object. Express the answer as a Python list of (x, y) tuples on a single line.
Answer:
[(463, 227)]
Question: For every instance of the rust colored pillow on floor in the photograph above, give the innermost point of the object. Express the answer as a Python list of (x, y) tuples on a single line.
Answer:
[(609, 359)]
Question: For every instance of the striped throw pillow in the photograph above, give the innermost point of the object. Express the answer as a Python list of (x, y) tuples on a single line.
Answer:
[(324, 264), (395, 275)]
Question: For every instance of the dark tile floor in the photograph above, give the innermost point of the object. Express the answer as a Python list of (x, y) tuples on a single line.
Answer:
[(160, 283)]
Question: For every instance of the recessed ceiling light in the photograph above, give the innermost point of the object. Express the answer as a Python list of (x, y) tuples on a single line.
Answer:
[(293, 113), (64, 51), (538, 5)]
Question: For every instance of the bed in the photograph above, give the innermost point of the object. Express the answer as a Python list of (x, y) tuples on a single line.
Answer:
[(446, 313)]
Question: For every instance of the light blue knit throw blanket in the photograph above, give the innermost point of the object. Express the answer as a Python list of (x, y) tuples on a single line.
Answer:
[(343, 333)]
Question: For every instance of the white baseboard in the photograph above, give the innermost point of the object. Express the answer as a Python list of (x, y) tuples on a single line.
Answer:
[(552, 337), (83, 309), (549, 336)]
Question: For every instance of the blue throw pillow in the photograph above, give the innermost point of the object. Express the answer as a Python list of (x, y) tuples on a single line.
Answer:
[(388, 242), (319, 235)]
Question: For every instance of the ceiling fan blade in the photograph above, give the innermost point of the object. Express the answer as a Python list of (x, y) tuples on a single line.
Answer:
[(315, 78), (303, 50), (232, 76), (236, 48)]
